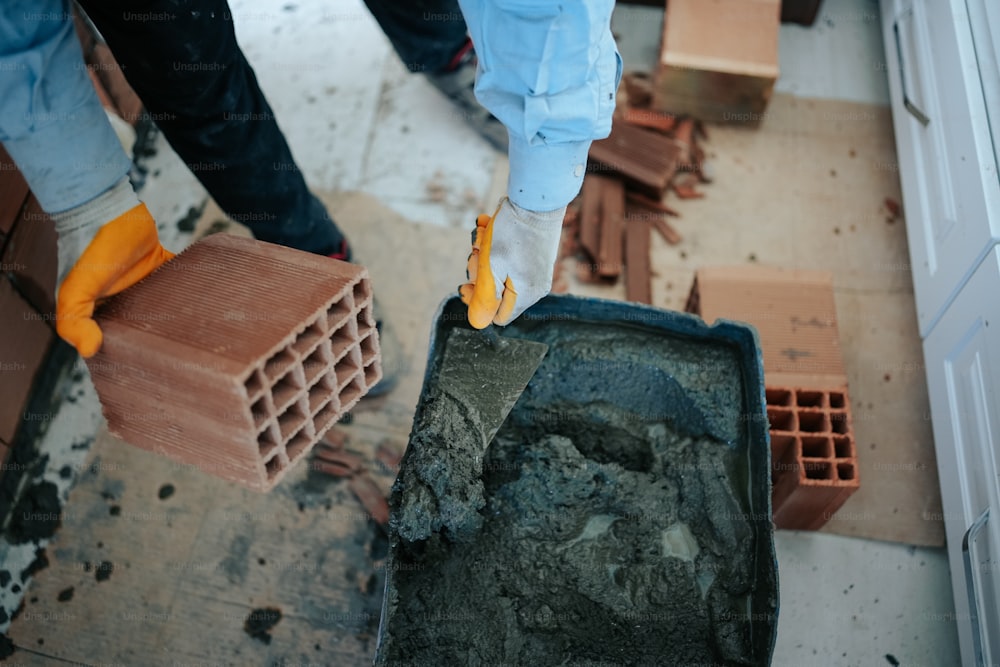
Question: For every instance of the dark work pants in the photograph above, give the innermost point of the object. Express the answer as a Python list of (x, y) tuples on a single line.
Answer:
[(182, 59)]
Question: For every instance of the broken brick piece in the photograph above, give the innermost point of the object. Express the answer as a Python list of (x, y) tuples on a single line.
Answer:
[(651, 204), (342, 459), (590, 213), (637, 263), (236, 356), (371, 498), (684, 137), (686, 191), (612, 228), (389, 455), (647, 160)]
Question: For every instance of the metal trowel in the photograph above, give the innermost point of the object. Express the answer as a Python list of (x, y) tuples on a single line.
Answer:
[(488, 372)]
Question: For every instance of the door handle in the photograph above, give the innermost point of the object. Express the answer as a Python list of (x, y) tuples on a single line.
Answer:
[(970, 583), (914, 110)]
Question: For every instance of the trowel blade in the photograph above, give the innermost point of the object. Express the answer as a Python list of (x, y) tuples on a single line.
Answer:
[(489, 376)]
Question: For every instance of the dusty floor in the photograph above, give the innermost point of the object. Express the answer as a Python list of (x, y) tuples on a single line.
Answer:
[(138, 578)]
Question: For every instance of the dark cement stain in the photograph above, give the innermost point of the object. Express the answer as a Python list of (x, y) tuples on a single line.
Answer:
[(40, 563), (165, 491), (260, 621), (36, 515), (104, 570), (65, 595)]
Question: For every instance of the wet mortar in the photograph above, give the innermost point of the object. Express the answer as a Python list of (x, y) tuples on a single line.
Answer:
[(608, 521)]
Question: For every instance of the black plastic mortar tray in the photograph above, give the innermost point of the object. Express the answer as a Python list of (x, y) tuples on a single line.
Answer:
[(627, 515)]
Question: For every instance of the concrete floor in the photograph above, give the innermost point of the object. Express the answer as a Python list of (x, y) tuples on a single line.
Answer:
[(357, 120)]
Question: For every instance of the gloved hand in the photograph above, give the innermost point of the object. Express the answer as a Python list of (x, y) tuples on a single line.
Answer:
[(121, 253), (510, 267)]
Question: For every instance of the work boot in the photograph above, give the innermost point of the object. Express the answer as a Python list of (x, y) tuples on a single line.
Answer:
[(390, 352), (457, 81)]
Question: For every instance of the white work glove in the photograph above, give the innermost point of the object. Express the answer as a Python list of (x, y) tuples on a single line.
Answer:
[(510, 267)]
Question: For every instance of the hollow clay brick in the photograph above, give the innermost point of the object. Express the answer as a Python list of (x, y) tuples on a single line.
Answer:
[(236, 356), (815, 464)]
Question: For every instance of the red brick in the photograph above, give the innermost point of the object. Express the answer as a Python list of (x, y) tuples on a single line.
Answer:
[(13, 193), (31, 255), (237, 356), (815, 464), (25, 338)]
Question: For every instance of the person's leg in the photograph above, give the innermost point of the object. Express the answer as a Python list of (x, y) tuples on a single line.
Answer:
[(430, 37), (427, 34), (182, 59)]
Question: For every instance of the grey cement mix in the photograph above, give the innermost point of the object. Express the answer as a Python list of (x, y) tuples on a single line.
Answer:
[(601, 527)]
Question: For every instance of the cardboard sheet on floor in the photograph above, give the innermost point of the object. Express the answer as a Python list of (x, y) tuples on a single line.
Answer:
[(807, 189), (149, 574)]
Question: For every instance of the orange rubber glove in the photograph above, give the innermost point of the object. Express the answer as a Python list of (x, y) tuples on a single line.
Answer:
[(123, 252), (510, 267)]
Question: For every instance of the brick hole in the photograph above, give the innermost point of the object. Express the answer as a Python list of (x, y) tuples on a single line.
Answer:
[(845, 470), (842, 448), (346, 369), (320, 393), (343, 338), (369, 349), (259, 411), (325, 418), (254, 385), (837, 399), (291, 420), (316, 363), (287, 388), (266, 442), (813, 421), (351, 393), (337, 313), (307, 340), (838, 422), (273, 467), (778, 396), (809, 399), (817, 469), (279, 364), (816, 447), (299, 442), (781, 420), (373, 373), (360, 291), (365, 320)]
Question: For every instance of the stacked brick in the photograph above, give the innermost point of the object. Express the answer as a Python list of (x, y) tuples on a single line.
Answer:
[(237, 356), (815, 463), (27, 297), (814, 459)]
